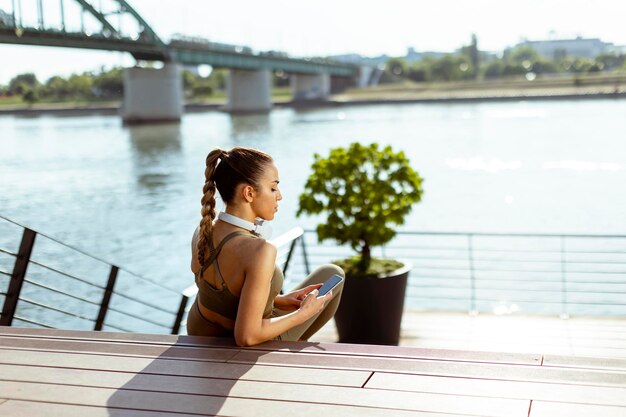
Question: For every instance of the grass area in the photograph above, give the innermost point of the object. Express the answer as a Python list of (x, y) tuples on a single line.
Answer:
[(218, 97), (11, 101), (281, 92), (567, 83), (17, 102)]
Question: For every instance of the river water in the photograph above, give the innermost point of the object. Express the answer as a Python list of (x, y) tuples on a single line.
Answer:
[(131, 195)]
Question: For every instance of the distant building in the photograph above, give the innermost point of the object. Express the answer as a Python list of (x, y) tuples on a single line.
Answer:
[(357, 59), (559, 48), (413, 56)]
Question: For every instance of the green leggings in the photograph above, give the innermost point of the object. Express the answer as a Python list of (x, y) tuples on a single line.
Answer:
[(312, 325)]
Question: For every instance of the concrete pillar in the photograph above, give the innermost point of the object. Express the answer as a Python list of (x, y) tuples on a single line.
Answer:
[(310, 87), (153, 95), (249, 91), (365, 76), (368, 76)]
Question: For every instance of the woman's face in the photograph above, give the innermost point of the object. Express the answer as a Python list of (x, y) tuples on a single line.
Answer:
[(265, 204)]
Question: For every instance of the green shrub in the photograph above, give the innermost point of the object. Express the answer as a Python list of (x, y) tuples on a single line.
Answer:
[(363, 190)]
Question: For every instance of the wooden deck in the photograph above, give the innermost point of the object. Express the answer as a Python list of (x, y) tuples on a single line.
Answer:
[(77, 373)]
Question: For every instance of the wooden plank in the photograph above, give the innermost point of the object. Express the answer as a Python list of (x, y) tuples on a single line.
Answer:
[(607, 352), (119, 400), (184, 368), (442, 368), (432, 402), (17, 408), (90, 378), (552, 409), (405, 352), (612, 364), (118, 349), (302, 347), (118, 337), (575, 336), (502, 389), (570, 350)]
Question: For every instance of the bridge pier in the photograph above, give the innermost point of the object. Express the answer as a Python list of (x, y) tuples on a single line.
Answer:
[(310, 87), (153, 95), (249, 91)]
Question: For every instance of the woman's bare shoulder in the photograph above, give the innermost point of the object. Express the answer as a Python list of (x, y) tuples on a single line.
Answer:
[(255, 251), (259, 260), (257, 246)]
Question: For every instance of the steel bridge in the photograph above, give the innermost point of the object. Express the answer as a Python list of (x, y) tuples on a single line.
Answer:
[(113, 25)]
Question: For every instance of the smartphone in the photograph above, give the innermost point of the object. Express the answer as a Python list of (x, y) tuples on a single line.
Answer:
[(331, 283)]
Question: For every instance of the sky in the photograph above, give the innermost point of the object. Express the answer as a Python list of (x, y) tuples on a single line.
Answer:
[(330, 27)]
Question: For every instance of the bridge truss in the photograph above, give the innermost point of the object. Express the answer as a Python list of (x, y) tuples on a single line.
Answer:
[(103, 24), (114, 25)]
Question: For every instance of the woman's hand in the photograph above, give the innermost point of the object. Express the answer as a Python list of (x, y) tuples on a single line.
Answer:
[(312, 304), (293, 300)]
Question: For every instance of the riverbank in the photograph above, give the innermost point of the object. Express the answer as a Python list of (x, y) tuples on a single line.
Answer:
[(569, 88), (561, 88)]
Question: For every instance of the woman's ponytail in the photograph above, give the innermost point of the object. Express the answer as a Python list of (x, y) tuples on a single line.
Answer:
[(208, 204)]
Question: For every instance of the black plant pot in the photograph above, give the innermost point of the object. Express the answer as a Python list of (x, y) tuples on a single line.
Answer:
[(370, 311)]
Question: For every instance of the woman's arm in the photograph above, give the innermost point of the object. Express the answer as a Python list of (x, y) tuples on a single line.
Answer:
[(250, 326)]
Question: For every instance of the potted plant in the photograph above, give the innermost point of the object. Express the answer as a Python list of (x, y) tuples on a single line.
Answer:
[(364, 191)]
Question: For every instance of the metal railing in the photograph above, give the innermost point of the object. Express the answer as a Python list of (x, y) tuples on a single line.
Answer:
[(51, 284), (501, 273), (54, 285)]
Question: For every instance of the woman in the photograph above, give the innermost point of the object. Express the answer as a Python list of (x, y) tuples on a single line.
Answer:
[(236, 273)]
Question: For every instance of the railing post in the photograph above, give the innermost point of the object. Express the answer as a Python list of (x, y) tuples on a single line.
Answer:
[(19, 6), (106, 299), (179, 316), (62, 16), (564, 314), (291, 248), (470, 254), (186, 295), (40, 14), (306, 259), (17, 278), (13, 12)]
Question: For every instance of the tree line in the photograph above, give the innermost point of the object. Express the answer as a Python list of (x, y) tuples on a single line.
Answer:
[(469, 63), (102, 85), (106, 84)]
